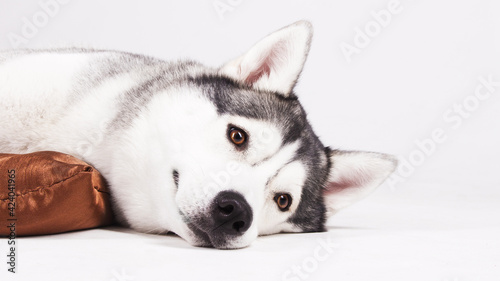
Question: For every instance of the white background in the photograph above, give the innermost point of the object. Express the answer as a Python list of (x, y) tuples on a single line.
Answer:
[(439, 220)]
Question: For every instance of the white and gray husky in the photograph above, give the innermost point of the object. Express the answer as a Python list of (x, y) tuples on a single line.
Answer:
[(215, 155)]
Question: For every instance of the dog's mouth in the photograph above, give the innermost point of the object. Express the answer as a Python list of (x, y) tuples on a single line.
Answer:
[(207, 239), (202, 238), (198, 237)]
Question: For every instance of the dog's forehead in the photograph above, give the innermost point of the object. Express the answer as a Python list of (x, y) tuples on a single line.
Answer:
[(233, 99)]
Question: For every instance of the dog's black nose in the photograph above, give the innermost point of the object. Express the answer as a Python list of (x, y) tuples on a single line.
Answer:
[(231, 213)]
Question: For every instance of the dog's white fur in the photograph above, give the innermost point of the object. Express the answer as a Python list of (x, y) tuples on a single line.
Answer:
[(178, 130)]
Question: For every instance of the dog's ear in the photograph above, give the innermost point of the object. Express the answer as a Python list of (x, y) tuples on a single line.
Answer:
[(353, 175), (275, 62)]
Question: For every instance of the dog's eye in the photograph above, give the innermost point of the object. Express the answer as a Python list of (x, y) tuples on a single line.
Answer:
[(284, 201), (237, 136)]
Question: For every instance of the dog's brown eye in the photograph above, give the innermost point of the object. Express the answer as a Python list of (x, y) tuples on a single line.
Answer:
[(283, 201), (237, 136)]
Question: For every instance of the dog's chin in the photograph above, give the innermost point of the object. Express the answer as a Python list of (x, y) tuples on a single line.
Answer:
[(201, 238)]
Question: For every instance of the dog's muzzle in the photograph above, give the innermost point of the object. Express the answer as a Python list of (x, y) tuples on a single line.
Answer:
[(228, 218)]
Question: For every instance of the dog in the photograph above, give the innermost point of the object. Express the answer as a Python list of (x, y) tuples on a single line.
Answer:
[(217, 156)]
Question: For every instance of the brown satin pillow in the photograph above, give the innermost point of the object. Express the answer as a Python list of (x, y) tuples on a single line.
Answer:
[(55, 193)]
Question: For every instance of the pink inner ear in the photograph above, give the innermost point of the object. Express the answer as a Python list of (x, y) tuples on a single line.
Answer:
[(334, 187), (263, 69), (276, 54), (354, 180)]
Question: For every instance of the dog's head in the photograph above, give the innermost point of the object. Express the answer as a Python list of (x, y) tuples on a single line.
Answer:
[(244, 159)]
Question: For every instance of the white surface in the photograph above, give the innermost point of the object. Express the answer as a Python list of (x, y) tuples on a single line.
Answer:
[(417, 232), (441, 222)]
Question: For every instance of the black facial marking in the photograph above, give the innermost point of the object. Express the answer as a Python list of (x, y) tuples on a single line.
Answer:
[(310, 214), (232, 98), (175, 176)]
